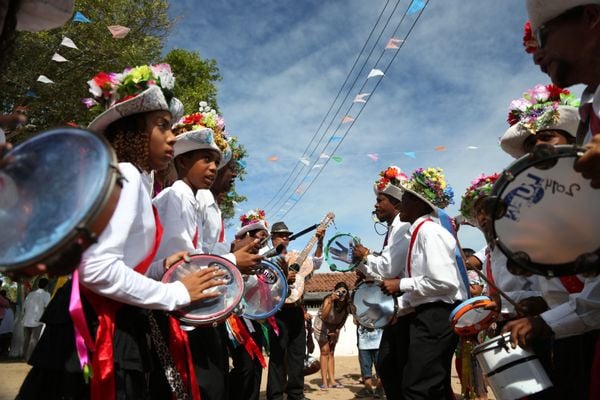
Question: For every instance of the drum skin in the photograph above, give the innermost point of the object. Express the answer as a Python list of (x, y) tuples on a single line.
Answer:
[(473, 315), (371, 307), (543, 214), (338, 252), (60, 190), (264, 292), (208, 312)]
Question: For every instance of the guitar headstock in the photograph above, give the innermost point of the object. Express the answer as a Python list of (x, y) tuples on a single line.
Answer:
[(328, 219)]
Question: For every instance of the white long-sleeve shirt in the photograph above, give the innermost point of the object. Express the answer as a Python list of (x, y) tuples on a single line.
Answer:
[(571, 314), (590, 95), (35, 304), (517, 287), (392, 261), (433, 274), (107, 268), (212, 224)]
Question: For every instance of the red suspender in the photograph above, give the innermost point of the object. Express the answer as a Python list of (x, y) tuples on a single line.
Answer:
[(413, 237)]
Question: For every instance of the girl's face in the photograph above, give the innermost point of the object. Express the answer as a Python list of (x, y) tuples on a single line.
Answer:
[(158, 125), (203, 169)]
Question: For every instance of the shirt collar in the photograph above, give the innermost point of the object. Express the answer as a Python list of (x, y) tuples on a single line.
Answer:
[(418, 221), (183, 188)]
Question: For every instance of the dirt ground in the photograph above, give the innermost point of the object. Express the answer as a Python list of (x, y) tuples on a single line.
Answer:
[(12, 374)]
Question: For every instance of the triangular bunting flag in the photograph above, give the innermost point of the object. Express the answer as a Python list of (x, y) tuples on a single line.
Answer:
[(440, 148), (317, 166), (44, 79), (393, 43), (410, 154), (347, 119), (472, 147), (335, 139), (324, 155), (299, 189), (304, 161), (360, 98), (58, 58), (118, 31), (373, 156), (375, 72), (79, 17), (273, 158), (68, 43), (32, 94), (337, 159), (416, 6)]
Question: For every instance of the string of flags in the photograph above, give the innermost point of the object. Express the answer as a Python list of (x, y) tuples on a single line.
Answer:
[(116, 31)]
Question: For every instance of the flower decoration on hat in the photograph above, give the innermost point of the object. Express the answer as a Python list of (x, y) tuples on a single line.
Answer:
[(252, 217), (392, 175), (110, 88), (480, 187), (430, 184), (538, 108), (529, 41)]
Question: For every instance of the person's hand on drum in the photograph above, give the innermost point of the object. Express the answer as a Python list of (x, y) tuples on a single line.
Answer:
[(197, 282), (359, 252), (174, 258), (533, 305), (390, 286), (247, 257), (524, 331), (589, 163)]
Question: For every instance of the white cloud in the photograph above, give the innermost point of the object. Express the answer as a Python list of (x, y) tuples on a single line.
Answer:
[(283, 63)]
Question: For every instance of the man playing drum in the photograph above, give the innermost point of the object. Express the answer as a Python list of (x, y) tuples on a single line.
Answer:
[(431, 285), (389, 264), (569, 313)]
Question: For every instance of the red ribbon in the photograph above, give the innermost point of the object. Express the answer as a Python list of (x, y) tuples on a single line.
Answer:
[(179, 346), (103, 382), (488, 271), (413, 237), (222, 234), (241, 332), (572, 283)]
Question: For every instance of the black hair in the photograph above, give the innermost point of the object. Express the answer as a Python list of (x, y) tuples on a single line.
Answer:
[(130, 140), (42, 283), (9, 32), (341, 284)]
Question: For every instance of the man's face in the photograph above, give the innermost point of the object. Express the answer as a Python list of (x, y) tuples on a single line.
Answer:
[(278, 238), (563, 48), (552, 137), (384, 208)]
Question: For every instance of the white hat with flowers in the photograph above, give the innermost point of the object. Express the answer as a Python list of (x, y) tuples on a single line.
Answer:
[(208, 117), (193, 135), (388, 182), (545, 107), (480, 187), (542, 11), (253, 220), (429, 184), (133, 91)]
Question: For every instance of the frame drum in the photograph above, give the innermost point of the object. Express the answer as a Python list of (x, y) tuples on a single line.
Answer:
[(214, 310), (371, 307), (58, 191), (264, 292), (338, 252)]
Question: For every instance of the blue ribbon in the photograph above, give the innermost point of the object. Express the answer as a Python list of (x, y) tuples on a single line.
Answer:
[(446, 222)]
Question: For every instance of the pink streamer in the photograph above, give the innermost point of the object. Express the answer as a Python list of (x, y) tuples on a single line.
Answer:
[(83, 339)]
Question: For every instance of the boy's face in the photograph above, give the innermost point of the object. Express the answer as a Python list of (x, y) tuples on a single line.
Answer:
[(162, 139), (202, 168)]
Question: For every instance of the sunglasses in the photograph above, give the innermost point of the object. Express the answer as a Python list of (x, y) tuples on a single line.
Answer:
[(541, 33)]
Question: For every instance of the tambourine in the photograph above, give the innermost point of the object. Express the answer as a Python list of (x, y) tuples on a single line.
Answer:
[(473, 315), (214, 310), (373, 308), (58, 191), (264, 292), (338, 252), (543, 215)]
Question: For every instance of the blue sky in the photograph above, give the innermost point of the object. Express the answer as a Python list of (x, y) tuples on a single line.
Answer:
[(283, 62)]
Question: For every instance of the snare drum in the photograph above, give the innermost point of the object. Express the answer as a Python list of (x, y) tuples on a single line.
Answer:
[(511, 373), (372, 308), (544, 214), (338, 252), (264, 292), (471, 316), (214, 310), (58, 191)]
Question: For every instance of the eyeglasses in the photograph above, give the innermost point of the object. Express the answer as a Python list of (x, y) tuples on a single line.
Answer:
[(541, 33)]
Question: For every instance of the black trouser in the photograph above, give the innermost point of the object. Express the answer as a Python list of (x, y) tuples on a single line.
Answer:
[(431, 347), (246, 374), (572, 364), (211, 361), (287, 350), (393, 353)]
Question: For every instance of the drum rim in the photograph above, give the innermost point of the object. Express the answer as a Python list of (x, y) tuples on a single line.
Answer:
[(279, 272), (111, 179), (353, 308), (506, 177), (215, 317), (470, 304), (331, 264)]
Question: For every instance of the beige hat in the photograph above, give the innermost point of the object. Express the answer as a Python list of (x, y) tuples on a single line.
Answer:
[(198, 139), (388, 182), (542, 11), (566, 120)]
